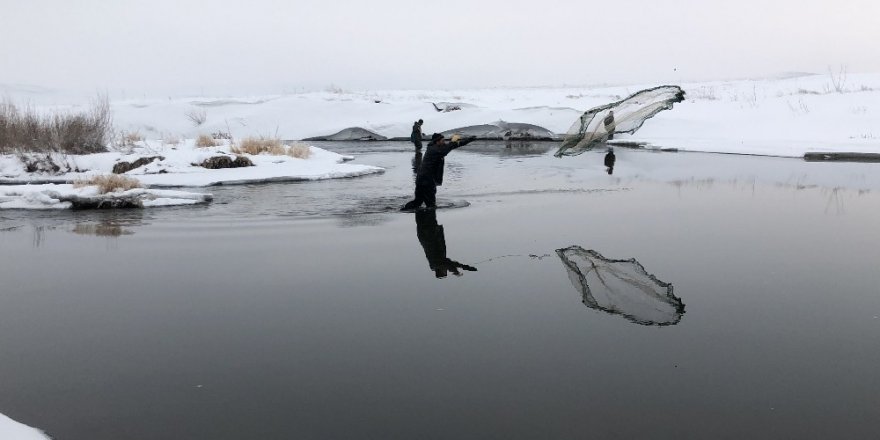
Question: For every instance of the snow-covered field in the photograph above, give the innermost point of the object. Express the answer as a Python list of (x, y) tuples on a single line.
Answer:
[(783, 116)]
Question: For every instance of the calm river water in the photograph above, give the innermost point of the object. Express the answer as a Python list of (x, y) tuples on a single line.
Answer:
[(315, 311)]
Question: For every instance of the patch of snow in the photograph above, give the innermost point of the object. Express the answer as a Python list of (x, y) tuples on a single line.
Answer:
[(65, 196), (12, 430), (178, 167)]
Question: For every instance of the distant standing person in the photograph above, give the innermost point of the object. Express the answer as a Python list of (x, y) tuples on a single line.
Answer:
[(609, 161), (430, 173), (610, 124), (416, 136)]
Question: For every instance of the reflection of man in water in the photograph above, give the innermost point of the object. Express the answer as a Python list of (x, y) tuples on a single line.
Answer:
[(417, 161), (609, 161), (434, 243), (610, 124)]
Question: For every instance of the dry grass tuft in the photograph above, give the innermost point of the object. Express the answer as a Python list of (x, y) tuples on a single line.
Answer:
[(254, 146), (171, 140), (108, 183), (132, 137), (205, 141), (271, 146), (300, 151), (26, 130), (126, 139)]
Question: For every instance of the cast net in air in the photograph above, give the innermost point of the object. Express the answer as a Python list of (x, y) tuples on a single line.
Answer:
[(621, 287), (599, 124)]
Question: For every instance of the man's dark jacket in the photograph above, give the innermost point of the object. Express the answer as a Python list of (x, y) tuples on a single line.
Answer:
[(434, 159)]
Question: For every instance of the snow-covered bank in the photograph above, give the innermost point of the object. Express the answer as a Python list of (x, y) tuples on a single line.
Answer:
[(12, 430), (778, 116), (177, 165), (65, 196), (784, 116)]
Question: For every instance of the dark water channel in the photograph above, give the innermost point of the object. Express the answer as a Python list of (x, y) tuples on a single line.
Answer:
[(313, 311)]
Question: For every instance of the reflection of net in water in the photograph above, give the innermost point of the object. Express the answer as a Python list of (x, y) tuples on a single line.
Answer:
[(621, 287), (595, 126)]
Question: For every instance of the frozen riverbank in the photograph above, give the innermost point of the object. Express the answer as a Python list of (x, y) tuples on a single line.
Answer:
[(66, 196), (178, 164), (784, 116)]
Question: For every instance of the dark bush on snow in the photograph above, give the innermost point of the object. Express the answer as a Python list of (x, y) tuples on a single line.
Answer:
[(218, 162)]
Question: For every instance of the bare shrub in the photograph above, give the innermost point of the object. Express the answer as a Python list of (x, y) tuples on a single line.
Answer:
[(800, 109), (219, 134), (82, 132), (205, 141), (838, 79), (197, 116), (108, 183), (334, 89), (750, 98), (703, 93), (126, 140), (132, 137)]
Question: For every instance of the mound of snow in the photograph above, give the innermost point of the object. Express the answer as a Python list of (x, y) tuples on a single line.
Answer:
[(350, 134), (503, 131)]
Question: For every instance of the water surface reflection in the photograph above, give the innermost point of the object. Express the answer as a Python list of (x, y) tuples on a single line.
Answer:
[(433, 240), (265, 315), (621, 287)]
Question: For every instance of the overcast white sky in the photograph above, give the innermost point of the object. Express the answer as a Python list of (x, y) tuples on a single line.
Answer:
[(264, 45)]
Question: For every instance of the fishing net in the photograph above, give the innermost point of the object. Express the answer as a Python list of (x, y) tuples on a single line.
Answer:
[(599, 124), (621, 287)]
